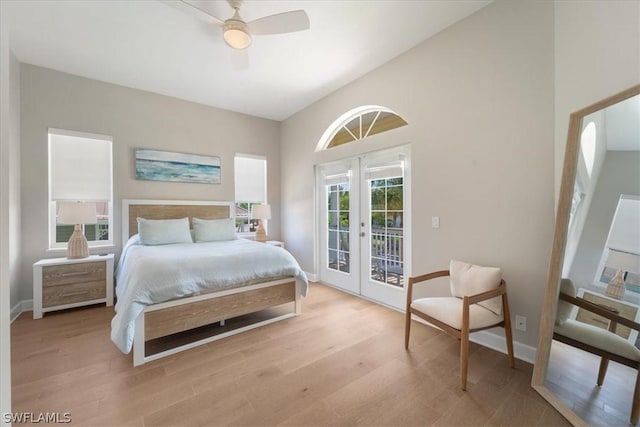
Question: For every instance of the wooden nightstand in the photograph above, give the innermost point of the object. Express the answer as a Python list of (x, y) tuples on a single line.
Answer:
[(60, 283), (275, 243)]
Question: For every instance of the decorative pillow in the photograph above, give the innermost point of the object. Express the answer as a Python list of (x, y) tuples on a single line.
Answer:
[(164, 231), (564, 308), (213, 230), (469, 279)]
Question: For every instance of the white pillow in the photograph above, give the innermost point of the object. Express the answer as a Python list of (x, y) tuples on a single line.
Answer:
[(164, 231), (468, 279), (213, 230), (564, 308)]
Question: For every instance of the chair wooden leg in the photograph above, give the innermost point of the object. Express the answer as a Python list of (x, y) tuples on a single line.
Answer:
[(464, 359), (635, 405), (604, 364), (508, 335), (407, 328)]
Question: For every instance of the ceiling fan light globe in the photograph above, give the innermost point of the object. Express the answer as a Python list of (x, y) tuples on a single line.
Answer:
[(236, 34)]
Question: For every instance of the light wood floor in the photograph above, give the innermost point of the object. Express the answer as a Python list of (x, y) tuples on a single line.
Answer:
[(342, 362), (572, 377)]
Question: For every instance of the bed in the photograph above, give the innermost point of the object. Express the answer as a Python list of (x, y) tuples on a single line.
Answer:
[(218, 281)]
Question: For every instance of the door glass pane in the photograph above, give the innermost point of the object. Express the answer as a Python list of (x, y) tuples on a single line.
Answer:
[(333, 220), (333, 240), (344, 221), (338, 227), (344, 241), (344, 264), (387, 231), (332, 200), (332, 259), (394, 198), (377, 199)]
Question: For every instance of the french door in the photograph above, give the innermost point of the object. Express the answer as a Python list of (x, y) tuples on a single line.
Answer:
[(363, 213)]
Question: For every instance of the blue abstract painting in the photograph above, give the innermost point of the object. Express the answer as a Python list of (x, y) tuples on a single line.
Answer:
[(157, 165)]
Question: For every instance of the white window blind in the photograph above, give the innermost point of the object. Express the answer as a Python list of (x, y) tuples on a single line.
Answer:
[(624, 234), (250, 178), (385, 170), (79, 166)]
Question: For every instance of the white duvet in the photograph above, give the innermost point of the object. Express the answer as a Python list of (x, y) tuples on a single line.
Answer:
[(153, 274)]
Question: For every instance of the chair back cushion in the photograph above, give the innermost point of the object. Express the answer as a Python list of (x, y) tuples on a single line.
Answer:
[(564, 308), (469, 279)]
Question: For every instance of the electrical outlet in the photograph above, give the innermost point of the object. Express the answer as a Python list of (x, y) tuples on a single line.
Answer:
[(435, 222), (521, 323)]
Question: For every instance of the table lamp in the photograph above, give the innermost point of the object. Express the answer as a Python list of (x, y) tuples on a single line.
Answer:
[(78, 214), (622, 262), (261, 212)]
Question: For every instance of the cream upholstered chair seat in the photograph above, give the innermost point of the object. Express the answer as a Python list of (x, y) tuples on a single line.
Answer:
[(598, 338), (449, 310), (478, 301), (602, 342)]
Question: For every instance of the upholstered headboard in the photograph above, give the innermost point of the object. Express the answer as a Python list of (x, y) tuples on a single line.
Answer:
[(169, 209)]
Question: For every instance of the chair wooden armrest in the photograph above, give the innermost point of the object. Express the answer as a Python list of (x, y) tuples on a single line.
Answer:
[(422, 278), (600, 310), (474, 299)]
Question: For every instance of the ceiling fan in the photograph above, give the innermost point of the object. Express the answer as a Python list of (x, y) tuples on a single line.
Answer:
[(237, 32)]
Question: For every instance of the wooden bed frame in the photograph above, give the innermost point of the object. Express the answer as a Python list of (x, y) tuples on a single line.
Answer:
[(160, 320)]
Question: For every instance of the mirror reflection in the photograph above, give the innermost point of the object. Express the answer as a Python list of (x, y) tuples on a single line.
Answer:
[(599, 304)]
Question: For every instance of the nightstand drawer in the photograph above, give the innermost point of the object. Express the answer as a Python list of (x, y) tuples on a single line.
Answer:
[(53, 296), (56, 275)]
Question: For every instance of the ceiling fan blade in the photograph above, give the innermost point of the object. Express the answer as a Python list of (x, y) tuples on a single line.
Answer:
[(198, 10), (287, 22)]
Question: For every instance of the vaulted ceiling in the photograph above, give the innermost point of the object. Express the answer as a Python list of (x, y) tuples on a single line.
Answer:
[(156, 46)]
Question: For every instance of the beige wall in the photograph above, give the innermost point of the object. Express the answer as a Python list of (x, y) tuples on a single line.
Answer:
[(133, 118), (478, 98), (597, 54), (14, 182)]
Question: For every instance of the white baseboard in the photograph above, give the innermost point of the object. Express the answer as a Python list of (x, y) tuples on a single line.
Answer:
[(20, 308), (312, 277), (498, 343)]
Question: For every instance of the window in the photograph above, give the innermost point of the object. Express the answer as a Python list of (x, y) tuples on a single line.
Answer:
[(358, 124), (80, 169), (250, 173), (588, 146)]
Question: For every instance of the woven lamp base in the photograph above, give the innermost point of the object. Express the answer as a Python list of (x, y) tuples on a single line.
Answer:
[(77, 247), (261, 236), (616, 286)]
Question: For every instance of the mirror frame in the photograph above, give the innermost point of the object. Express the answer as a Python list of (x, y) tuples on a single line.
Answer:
[(550, 303)]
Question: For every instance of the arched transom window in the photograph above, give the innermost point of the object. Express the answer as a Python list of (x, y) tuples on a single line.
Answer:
[(358, 124)]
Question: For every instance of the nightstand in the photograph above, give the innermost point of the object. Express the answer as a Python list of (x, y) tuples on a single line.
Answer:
[(275, 243), (60, 283)]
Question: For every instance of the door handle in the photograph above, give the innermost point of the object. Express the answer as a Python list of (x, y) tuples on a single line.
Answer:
[(362, 234)]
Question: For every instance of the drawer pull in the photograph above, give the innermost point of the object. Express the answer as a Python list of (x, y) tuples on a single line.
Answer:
[(75, 273), (70, 294)]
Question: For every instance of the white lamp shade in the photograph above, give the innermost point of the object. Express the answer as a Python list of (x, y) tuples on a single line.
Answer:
[(77, 213), (624, 261), (261, 212)]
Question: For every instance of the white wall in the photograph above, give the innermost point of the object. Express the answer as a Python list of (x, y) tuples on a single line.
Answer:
[(135, 119), (478, 98), (597, 54), (5, 173)]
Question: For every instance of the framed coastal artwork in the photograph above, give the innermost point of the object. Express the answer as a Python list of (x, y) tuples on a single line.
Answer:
[(154, 165)]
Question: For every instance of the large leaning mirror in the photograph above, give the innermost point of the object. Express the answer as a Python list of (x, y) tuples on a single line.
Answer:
[(592, 301)]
